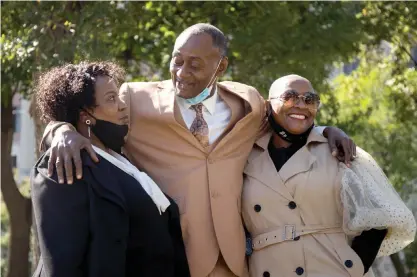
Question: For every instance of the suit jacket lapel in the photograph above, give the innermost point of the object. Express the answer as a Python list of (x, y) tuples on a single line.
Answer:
[(169, 109), (178, 117), (104, 182), (235, 114), (236, 103), (231, 103)]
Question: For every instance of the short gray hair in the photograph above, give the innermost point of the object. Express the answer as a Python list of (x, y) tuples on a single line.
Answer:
[(219, 39)]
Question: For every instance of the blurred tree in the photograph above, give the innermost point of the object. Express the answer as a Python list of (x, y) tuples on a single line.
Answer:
[(267, 40), (380, 114), (377, 105), (34, 36)]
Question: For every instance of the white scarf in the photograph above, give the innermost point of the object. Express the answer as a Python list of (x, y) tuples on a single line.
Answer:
[(151, 188)]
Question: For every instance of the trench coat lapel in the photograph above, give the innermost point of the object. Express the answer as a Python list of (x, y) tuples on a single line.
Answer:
[(303, 159), (263, 169), (300, 162)]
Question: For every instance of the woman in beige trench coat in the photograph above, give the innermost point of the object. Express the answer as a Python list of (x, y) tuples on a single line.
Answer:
[(308, 214)]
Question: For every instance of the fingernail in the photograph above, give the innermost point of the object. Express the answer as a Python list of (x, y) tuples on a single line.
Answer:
[(69, 182), (78, 176), (61, 181), (334, 153)]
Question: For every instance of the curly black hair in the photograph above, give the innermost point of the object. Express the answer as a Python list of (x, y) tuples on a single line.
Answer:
[(63, 91)]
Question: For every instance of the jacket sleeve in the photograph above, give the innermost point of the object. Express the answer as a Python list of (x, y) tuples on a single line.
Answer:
[(62, 220), (369, 201), (181, 263), (367, 245), (124, 94)]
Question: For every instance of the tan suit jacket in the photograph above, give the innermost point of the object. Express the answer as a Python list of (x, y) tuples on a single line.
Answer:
[(205, 183), (304, 196)]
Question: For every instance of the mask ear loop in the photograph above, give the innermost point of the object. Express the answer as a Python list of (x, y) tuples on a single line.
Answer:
[(214, 77)]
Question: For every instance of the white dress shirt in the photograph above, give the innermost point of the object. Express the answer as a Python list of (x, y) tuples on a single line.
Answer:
[(216, 113)]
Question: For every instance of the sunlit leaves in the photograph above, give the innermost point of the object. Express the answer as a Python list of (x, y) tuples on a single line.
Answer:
[(377, 106)]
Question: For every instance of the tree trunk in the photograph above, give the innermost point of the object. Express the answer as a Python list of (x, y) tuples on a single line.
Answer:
[(18, 206), (39, 128), (399, 267)]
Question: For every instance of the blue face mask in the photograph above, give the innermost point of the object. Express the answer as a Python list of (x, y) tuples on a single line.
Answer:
[(199, 98), (206, 92)]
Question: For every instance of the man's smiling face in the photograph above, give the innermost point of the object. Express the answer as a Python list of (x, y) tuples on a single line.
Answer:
[(194, 63)]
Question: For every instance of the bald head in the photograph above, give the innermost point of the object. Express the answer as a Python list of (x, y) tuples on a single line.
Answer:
[(293, 82)]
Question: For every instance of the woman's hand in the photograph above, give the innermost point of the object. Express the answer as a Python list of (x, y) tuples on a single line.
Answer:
[(65, 150), (341, 145)]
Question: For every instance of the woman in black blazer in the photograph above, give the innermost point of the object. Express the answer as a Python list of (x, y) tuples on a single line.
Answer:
[(114, 221)]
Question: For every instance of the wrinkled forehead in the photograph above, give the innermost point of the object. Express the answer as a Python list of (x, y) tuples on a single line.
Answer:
[(195, 46), (290, 82)]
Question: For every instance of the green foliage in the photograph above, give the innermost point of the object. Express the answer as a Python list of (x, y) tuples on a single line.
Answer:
[(378, 108), (267, 39), (4, 240), (377, 103), (390, 21)]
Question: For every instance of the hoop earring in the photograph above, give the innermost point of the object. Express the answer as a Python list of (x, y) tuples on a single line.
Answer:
[(88, 122)]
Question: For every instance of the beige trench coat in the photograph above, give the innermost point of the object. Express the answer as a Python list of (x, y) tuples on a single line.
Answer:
[(294, 215)]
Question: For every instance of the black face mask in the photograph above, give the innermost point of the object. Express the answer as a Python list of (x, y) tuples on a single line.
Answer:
[(284, 134), (110, 134)]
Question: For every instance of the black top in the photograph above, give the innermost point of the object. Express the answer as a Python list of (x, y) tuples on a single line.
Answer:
[(104, 225), (365, 245)]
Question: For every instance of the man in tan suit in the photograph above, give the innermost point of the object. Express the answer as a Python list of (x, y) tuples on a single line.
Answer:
[(193, 136)]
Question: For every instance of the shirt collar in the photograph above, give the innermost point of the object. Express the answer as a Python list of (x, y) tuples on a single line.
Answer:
[(209, 103)]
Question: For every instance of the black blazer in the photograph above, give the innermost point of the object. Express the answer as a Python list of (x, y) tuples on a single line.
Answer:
[(85, 229)]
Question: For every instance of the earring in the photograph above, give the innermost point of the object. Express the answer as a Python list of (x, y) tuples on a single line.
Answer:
[(88, 122)]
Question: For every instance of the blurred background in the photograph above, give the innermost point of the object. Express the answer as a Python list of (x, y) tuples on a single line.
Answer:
[(361, 57)]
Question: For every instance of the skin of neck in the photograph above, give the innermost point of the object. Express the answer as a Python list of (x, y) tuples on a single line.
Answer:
[(83, 130)]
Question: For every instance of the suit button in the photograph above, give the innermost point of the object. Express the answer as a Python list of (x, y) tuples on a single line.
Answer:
[(292, 205), (299, 271), (348, 263), (266, 274), (119, 241), (257, 208), (297, 238)]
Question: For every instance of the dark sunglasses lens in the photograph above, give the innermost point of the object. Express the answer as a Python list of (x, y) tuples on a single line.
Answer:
[(312, 98), (290, 95)]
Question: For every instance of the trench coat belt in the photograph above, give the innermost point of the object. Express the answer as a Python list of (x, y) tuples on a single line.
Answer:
[(289, 232)]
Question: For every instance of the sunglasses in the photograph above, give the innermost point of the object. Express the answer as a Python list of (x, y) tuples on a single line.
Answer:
[(291, 98)]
